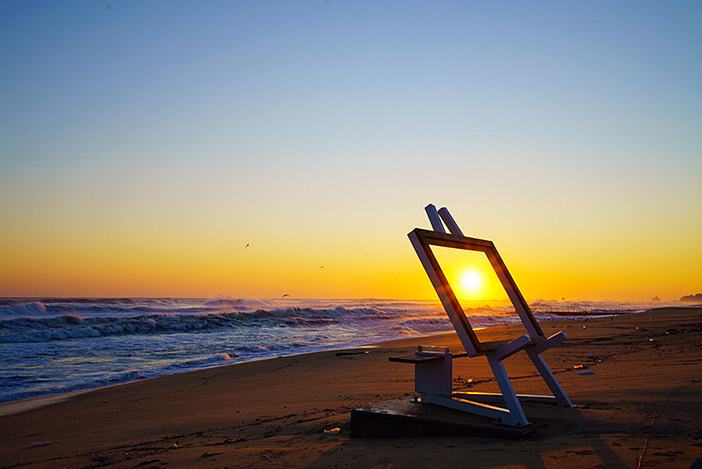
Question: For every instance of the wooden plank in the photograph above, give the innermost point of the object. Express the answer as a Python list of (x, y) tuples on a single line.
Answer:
[(416, 358), (406, 418)]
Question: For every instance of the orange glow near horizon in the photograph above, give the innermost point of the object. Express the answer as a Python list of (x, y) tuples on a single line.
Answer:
[(149, 173), (470, 275), (74, 258)]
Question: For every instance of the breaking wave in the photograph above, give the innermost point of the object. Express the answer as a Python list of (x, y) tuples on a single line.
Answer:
[(40, 329), (34, 309)]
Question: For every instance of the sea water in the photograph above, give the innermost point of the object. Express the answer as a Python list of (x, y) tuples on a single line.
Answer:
[(56, 345)]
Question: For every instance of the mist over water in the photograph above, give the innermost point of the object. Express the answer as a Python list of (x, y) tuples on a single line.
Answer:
[(54, 345)]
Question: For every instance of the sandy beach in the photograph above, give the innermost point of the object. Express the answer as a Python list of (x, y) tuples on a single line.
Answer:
[(640, 408)]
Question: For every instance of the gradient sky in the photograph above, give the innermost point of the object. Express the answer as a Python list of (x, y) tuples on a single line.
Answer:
[(143, 145)]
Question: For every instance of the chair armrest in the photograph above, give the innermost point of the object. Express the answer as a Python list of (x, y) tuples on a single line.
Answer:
[(552, 341), (512, 347)]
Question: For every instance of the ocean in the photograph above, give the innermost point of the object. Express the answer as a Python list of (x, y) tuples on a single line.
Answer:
[(57, 345)]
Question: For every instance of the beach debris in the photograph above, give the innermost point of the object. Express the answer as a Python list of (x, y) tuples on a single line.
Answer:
[(39, 444), (465, 382), (332, 431), (210, 455), (590, 356), (352, 352), (586, 373), (653, 341), (577, 367)]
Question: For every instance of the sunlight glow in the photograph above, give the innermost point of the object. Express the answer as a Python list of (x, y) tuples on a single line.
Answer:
[(471, 282)]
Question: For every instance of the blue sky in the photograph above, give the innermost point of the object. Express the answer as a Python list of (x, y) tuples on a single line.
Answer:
[(345, 118)]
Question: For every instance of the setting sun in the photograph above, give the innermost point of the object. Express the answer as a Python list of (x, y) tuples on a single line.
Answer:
[(471, 281)]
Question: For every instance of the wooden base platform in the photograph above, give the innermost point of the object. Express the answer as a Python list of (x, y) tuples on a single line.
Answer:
[(408, 418)]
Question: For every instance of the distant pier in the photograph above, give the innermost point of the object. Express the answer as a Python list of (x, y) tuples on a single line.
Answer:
[(575, 311)]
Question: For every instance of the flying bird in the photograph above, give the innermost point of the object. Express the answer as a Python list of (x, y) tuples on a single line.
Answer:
[(285, 295)]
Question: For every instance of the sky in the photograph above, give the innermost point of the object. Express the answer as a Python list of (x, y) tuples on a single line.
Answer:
[(262, 148)]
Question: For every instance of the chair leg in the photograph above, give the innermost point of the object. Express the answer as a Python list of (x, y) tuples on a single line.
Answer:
[(516, 413), (550, 379)]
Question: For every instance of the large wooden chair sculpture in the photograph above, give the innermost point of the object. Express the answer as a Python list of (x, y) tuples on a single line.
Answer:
[(433, 366)]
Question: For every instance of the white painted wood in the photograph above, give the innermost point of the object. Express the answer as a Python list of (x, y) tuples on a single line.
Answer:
[(450, 222), (469, 406), (516, 413), (494, 397), (434, 219), (512, 347), (549, 378), (443, 297), (433, 378), (552, 341), (520, 305)]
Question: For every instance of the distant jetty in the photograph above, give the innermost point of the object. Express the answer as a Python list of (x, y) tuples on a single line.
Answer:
[(575, 311)]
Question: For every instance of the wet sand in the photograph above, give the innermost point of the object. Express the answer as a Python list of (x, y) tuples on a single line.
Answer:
[(640, 408)]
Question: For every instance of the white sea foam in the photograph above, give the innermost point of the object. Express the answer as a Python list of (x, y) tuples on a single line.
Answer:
[(40, 329)]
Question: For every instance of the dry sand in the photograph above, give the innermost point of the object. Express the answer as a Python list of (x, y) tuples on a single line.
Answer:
[(641, 407)]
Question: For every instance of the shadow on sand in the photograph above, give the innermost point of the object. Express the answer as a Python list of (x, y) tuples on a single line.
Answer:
[(562, 438)]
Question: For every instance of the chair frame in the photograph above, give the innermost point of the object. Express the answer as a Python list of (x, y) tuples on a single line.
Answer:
[(431, 366)]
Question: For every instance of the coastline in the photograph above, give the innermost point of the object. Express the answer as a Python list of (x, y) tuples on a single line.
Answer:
[(33, 402), (106, 341), (274, 412)]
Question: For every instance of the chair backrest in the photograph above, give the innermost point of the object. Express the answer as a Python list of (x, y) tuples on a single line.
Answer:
[(422, 240)]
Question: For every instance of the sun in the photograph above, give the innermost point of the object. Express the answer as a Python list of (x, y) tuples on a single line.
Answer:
[(471, 281)]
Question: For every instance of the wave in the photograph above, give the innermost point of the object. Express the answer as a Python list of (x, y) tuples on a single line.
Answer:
[(41, 329), (51, 319), (241, 304), (11, 308), (424, 325), (33, 309), (87, 309), (56, 387), (216, 359)]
